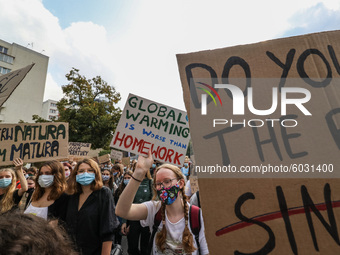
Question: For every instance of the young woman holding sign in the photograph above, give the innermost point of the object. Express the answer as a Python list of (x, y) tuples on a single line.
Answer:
[(174, 233), (9, 195)]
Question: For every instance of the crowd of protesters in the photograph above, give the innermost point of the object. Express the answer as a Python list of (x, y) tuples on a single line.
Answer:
[(89, 207)]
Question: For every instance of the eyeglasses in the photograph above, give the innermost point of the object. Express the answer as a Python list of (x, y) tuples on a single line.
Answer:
[(166, 183), (90, 170)]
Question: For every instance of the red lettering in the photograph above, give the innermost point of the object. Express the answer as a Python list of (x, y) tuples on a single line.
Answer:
[(154, 152), (126, 145), (138, 143), (168, 156), (176, 159), (160, 151), (118, 139), (144, 147)]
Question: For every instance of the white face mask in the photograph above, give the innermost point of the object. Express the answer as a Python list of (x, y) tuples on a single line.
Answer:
[(67, 173), (45, 180)]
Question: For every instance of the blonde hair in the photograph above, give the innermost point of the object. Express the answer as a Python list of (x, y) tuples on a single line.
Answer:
[(7, 202), (187, 238)]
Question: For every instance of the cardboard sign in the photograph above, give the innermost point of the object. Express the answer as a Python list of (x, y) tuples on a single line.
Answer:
[(78, 149), (103, 159), (33, 142), (268, 172), (194, 184), (9, 82), (116, 155), (126, 161), (146, 125)]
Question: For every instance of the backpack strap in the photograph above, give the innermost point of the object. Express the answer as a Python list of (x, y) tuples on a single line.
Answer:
[(157, 221), (195, 223), (198, 198)]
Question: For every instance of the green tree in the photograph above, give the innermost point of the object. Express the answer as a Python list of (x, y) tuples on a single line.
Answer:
[(38, 119), (88, 106)]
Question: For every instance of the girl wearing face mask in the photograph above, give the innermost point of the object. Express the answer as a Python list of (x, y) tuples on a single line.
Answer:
[(90, 215), (68, 170), (117, 171), (9, 195), (174, 235), (185, 169), (108, 180), (49, 199)]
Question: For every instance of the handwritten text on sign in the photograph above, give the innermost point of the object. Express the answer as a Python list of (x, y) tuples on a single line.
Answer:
[(33, 142), (146, 125), (78, 149)]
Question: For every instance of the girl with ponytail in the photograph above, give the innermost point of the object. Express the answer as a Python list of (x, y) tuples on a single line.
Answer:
[(174, 235)]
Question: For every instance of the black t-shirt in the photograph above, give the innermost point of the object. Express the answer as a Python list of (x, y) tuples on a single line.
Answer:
[(16, 198), (57, 210), (94, 223)]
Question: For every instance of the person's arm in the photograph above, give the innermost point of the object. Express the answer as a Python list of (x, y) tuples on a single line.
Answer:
[(124, 229), (125, 208), (18, 163), (106, 247)]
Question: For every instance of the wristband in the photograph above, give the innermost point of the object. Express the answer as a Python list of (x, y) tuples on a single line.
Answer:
[(135, 178)]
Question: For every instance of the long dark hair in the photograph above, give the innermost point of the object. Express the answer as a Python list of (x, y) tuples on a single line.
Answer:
[(121, 187), (111, 180), (59, 183)]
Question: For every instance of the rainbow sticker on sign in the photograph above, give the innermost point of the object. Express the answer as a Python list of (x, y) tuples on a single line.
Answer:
[(204, 97)]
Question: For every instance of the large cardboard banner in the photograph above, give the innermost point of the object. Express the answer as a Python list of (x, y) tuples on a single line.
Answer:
[(33, 142), (78, 149), (145, 125), (9, 82), (265, 128)]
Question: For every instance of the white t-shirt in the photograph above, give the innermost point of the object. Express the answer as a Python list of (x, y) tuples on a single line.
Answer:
[(174, 232), (37, 211)]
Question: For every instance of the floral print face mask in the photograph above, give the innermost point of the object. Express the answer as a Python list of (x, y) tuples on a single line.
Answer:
[(168, 195)]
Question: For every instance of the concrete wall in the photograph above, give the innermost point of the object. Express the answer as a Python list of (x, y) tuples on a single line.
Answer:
[(27, 98)]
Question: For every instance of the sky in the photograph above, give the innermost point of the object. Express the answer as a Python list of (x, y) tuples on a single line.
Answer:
[(133, 44)]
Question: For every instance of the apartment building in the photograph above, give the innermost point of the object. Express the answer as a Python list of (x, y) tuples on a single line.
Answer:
[(27, 99), (49, 110)]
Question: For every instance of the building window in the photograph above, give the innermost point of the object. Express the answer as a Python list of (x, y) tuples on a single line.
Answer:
[(4, 70), (53, 111), (6, 58), (53, 105), (3, 49)]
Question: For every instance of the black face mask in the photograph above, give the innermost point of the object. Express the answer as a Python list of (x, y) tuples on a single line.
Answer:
[(30, 190)]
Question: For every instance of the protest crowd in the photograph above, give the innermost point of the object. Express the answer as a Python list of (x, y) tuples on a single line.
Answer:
[(87, 207)]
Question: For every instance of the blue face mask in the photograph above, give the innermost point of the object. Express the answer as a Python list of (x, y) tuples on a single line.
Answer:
[(153, 165), (106, 177), (85, 178), (186, 164), (5, 182), (126, 181), (115, 173)]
